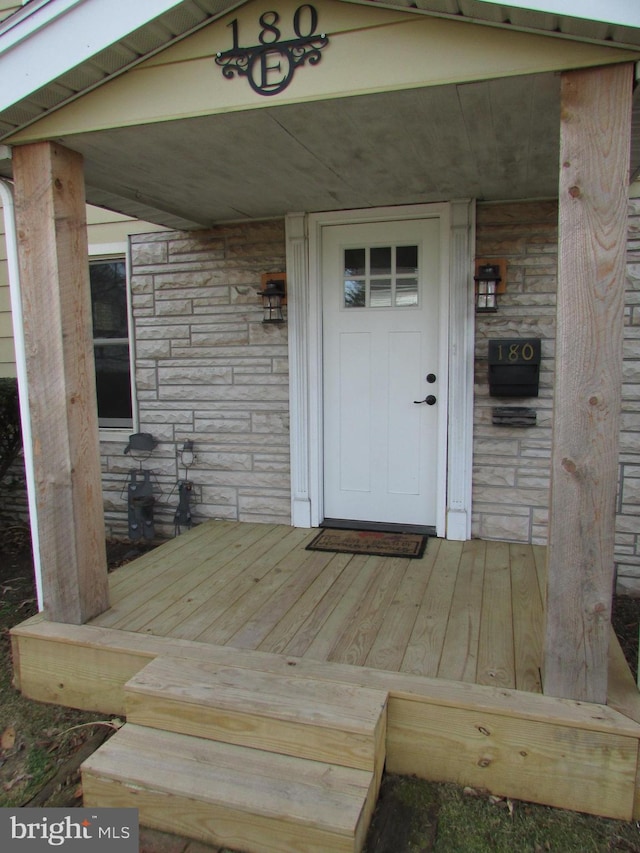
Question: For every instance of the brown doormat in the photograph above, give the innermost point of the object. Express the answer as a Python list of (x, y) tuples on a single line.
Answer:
[(373, 543)]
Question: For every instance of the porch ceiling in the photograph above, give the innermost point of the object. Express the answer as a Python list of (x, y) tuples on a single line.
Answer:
[(491, 140)]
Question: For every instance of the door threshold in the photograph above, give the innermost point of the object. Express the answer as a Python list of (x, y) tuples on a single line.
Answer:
[(377, 526)]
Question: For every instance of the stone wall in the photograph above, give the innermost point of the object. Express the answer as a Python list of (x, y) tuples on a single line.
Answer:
[(511, 464), (628, 508), (208, 370)]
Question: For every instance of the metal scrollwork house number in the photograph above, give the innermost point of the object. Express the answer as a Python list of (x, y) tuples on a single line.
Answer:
[(270, 65)]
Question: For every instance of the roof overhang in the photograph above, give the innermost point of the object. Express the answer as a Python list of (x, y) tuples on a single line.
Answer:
[(102, 40), (501, 134)]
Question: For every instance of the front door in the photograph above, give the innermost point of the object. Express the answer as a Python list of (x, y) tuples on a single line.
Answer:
[(384, 384)]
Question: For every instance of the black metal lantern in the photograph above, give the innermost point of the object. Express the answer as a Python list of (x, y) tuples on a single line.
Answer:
[(273, 298), (487, 281)]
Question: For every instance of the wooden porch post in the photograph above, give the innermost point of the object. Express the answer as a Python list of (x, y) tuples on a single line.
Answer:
[(54, 271), (594, 163)]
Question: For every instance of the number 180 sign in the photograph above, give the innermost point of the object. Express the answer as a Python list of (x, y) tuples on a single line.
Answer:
[(269, 65)]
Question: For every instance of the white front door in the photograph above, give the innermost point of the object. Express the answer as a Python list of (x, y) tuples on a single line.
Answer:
[(384, 376)]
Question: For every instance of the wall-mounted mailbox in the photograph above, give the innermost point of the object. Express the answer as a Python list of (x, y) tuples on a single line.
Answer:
[(514, 367)]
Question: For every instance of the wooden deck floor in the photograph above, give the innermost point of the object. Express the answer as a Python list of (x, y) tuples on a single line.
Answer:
[(469, 612), (444, 638)]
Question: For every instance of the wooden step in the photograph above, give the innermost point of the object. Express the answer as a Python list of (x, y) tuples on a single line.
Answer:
[(323, 720), (231, 796)]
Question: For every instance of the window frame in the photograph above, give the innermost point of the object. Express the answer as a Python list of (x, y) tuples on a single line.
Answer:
[(119, 252)]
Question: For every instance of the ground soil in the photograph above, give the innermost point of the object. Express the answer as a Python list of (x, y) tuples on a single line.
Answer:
[(42, 747)]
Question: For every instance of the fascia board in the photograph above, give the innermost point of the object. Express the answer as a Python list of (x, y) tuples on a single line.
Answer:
[(58, 35), (623, 12)]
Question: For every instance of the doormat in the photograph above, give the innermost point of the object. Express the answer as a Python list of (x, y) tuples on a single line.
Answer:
[(370, 542)]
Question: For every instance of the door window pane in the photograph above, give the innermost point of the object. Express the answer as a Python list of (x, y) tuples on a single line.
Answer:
[(380, 277), (355, 294), (406, 292), (380, 293), (381, 260), (407, 260), (354, 262)]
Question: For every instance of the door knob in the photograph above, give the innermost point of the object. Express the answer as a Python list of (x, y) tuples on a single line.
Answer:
[(431, 377), (429, 400)]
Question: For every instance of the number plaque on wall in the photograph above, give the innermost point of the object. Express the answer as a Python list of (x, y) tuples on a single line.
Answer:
[(514, 367), (269, 65)]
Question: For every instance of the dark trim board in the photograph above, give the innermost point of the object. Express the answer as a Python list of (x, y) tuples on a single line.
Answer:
[(377, 526)]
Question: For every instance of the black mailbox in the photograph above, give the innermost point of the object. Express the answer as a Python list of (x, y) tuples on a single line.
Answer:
[(514, 367)]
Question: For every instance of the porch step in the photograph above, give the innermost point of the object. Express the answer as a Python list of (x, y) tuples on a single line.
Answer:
[(232, 796), (245, 759), (341, 724)]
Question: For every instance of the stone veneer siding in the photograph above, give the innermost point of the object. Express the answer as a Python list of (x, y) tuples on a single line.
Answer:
[(511, 464), (628, 508), (208, 370)]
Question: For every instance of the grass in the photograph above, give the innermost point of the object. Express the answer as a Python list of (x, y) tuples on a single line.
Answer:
[(415, 816), (35, 738)]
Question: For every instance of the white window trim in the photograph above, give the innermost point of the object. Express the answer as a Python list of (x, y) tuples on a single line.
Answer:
[(110, 252), (304, 306)]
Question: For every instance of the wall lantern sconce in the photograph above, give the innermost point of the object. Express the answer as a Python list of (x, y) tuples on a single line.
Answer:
[(490, 280), (186, 454), (274, 297)]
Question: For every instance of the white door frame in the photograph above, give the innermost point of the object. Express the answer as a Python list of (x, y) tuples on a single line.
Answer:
[(304, 301)]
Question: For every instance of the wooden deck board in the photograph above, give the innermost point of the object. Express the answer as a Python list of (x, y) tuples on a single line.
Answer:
[(527, 619), (359, 635), (389, 646), (540, 557), (325, 638), (468, 612), (167, 579), (343, 572), (496, 663), (230, 574), (276, 606), (425, 645), (459, 660), (267, 571), (149, 568)]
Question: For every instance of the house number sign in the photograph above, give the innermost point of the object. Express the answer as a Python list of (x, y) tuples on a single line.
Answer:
[(269, 66)]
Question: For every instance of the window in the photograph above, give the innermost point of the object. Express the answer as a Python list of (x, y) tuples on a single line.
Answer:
[(381, 277), (108, 280)]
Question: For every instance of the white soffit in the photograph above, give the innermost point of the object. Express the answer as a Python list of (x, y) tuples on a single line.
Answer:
[(625, 12), (623, 30), (100, 39)]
